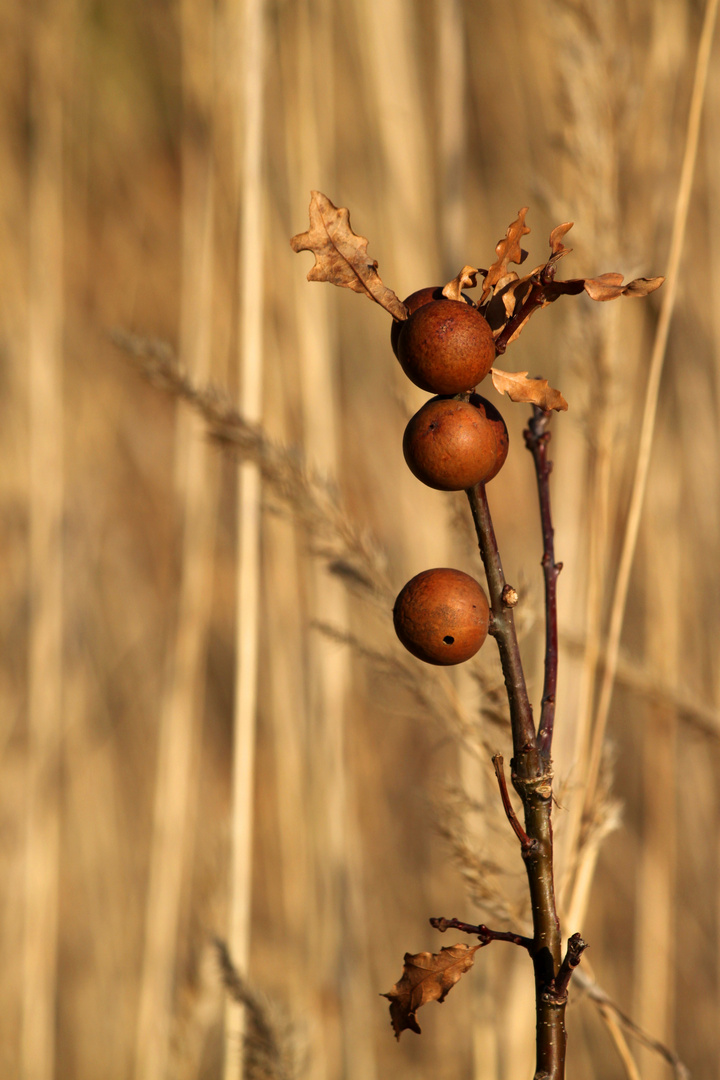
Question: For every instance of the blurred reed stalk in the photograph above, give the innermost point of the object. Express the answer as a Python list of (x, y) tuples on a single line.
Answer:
[(586, 41), (196, 484), (337, 936), (657, 360), (655, 912), (451, 94), (330, 933), (387, 39), (712, 140), (583, 878), (247, 27), (50, 37)]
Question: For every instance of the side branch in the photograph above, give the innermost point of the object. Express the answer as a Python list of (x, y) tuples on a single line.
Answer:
[(537, 438), (575, 948), (534, 300), (485, 934), (526, 758), (526, 843)]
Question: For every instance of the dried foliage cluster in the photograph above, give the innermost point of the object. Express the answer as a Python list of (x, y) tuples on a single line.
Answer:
[(507, 300)]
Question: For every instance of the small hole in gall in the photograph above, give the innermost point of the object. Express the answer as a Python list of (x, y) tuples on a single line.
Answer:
[(448, 639)]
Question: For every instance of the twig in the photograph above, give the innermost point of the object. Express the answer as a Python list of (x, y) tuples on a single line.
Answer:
[(526, 843), (502, 628), (537, 438), (542, 290), (485, 934), (532, 779), (575, 948)]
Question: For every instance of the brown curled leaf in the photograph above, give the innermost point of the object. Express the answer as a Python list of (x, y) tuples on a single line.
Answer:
[(519, 387), (466, 279), (426, 977), (610, 286), (556, 237), (507, 250), (512, 290), (508, 301), (341, 255)]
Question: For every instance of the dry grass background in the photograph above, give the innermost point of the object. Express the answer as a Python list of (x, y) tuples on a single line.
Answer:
[(128, 155)]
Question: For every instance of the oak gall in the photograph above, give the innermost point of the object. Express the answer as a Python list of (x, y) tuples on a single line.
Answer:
[(452, 444), (442, 616), (412, 303), (446, 346)]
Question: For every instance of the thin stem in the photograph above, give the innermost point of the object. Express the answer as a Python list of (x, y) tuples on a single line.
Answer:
[(485, 934), (532, 779), (526, 759), (532, 302), (537, 438), (525, 842), (544, 289)]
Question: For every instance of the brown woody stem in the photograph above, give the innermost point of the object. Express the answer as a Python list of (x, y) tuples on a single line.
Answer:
[(485, 934), (526, 843), (532, 779), (575, 948), (534, 299), (537, 438), (502, 628), (543, 290)]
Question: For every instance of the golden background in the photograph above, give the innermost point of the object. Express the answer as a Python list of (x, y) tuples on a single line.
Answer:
[(156, 159)]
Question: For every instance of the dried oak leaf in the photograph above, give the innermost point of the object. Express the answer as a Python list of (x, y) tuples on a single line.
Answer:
[(519, 387), (507, 250), (512, 300), (426, 977), (609, 286), (556, 236), (466, 279), (341, 255)]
